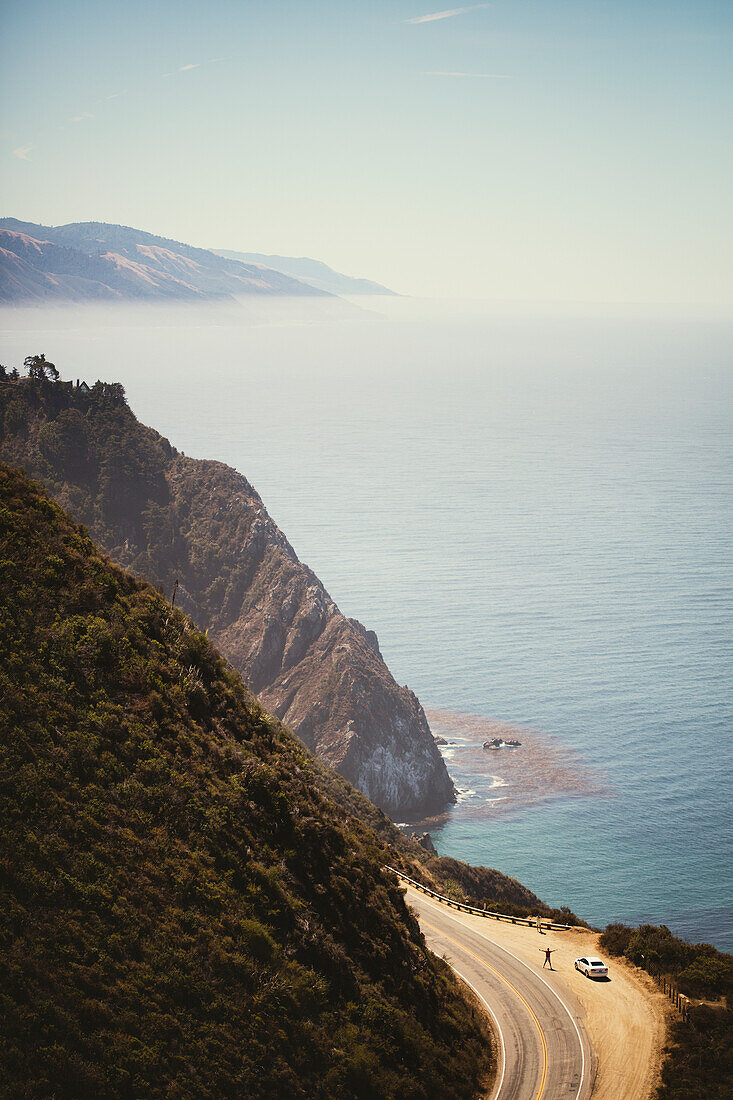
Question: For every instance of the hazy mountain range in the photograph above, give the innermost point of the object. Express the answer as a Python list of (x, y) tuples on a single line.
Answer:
[(94, 261), (313, 272)]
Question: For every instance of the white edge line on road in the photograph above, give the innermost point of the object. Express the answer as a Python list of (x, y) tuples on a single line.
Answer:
[(441, 909), (498, 1028)]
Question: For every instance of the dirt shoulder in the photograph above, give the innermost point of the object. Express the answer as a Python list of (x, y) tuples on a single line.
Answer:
[(626, 1018)]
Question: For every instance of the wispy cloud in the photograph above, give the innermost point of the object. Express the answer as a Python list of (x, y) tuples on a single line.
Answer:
[(23, 152), (484, 76), (431, 17), (184, 69), (195, 65)]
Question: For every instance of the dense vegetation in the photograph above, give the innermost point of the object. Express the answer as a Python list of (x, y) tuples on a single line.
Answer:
[(89, 451), (699, 1063), (451, 877), (183, 911)]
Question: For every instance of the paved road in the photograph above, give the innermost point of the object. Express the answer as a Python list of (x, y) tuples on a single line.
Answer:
[(545, 1053)]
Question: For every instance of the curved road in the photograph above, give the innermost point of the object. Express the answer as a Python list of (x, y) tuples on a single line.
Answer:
[(545, 1052)]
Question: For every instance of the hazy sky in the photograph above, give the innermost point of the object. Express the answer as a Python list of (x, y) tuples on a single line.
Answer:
[(570, 150)]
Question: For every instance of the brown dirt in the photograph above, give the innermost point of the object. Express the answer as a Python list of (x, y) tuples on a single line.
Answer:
[(626, 1018)]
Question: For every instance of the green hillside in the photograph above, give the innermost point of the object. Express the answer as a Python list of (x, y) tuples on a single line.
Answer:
[(184, 912)]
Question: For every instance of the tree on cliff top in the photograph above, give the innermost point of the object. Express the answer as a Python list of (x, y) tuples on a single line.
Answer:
[(40, 368)]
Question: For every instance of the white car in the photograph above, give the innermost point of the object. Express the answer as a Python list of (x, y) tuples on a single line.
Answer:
[(592, 968)]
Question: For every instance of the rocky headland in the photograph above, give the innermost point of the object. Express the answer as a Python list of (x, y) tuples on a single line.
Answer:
[(171, 518)]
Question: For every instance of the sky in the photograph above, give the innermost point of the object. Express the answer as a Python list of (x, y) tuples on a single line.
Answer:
[(565, 151)]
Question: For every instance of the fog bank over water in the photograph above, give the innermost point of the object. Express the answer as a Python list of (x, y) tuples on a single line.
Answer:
[(534, 514)]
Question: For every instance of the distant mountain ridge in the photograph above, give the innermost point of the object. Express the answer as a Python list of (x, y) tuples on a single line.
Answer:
[(94, 261), (314, 272)]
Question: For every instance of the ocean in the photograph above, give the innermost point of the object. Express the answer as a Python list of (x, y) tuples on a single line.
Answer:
[(534, 514)]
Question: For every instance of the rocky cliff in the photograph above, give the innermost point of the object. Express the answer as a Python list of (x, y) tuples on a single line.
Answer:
[(168, 517)]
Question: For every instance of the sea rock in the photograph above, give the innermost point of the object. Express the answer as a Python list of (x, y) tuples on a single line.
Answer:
[(426, 841), (439, 740)]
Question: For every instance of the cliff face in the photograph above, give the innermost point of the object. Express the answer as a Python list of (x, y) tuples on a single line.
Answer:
[(169, 517), (319, 672)]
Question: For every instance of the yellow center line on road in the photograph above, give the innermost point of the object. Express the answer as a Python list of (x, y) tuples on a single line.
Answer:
[(506, 981)]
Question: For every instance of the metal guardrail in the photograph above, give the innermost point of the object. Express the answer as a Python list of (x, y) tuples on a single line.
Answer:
[(530, 921)]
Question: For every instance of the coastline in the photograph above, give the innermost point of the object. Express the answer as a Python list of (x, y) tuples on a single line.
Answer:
[(508, 781)]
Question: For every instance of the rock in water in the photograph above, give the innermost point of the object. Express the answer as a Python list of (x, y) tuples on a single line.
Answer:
[(426, 841)]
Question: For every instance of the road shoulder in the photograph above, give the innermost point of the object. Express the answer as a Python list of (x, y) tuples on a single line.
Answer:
[(626, 1018)]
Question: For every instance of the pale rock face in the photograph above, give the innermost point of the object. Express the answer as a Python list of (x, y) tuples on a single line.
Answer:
[(319, 672)]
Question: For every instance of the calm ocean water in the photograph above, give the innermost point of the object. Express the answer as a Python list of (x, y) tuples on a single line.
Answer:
[(535, 516)]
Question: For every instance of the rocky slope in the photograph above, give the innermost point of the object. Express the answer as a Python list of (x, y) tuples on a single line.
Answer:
[(183, 911), (95, 261), (168, 518)]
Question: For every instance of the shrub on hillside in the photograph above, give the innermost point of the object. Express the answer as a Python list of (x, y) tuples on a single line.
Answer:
[(699, 1065), (183, 911)]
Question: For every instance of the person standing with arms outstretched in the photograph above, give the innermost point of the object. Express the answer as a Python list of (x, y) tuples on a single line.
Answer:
[(548, 961)]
